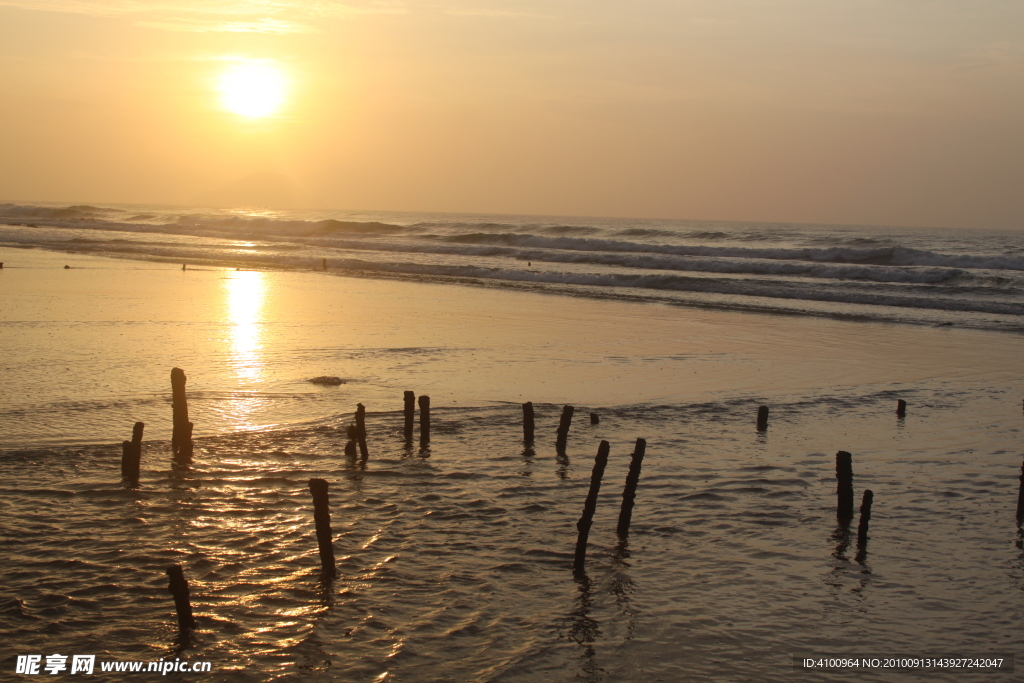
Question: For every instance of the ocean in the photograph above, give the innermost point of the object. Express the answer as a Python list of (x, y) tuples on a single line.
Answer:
[(454, 557)]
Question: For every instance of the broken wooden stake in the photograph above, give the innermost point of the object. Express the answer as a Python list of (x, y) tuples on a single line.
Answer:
[(762, 418), (1020, 498), (528, 422), (424, 420), (131, 454), (322, 518), (629, 492), (594, 419), (361, 431), (181, 433), (178, 587), (410, 414), (350, 446), (583, 526), (844, 488), (563, 427), (865, 517), (901, 408)]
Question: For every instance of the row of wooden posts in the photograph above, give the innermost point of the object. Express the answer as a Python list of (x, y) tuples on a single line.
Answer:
[(182, 447)]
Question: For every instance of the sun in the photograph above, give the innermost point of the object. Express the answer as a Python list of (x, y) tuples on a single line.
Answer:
[(253, 89)]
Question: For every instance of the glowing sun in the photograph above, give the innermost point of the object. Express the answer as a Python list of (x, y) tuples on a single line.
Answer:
[(253, 89)]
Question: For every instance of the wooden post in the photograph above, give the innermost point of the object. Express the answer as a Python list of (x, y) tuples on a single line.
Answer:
[(563, 427), (762, 418), (424, 420), (410, 414), (865, 517), (131, 453), (322, 518), (844, 488), (127, 456), (528, 422), (583, 526), (594, 419), (1020, 498), (901, 408), (181, 434), (325, 264), (361, 431), (629, 493), (350, 446), (178, 587)]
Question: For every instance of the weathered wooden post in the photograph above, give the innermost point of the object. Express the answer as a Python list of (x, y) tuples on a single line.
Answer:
[(361, 431), (424, 420), (844, 488), (350, 446), (178, 587), (325, 264), (865, 517), (181, 434), (322, 518), (629, 492), (528, 422), (1020, 498), (583, 526), (131, 454), (901, 408), (762, 418), (563, 427), (410, 414), (594, 419)]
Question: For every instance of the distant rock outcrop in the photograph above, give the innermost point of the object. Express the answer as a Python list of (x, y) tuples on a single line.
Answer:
[(327, 381)]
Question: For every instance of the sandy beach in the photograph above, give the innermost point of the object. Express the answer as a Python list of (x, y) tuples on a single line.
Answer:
[(454, 559)]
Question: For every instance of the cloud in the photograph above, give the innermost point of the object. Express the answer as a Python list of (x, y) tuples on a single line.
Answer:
[(231, 16), (264, 25)]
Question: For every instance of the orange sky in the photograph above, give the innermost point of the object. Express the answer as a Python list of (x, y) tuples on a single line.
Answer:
[(882, 112)]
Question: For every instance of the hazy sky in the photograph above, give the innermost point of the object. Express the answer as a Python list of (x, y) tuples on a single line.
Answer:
[(876, 111)]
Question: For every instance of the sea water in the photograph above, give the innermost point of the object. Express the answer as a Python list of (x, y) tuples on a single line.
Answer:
[(454, 558)]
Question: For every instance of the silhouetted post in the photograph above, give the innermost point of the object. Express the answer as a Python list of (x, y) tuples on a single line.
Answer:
[(178, 587), (594, 419), (183, 266), (583, 526), (844, 489), (350, 447), (865, 517), (424, 420), (762, 418), (410, 413), (901, 408), (181, 434), (1020, 498), (361, 431), (563, 427), (629, 493), (322, 518), (528, 422), (325, 264), (131, 453)]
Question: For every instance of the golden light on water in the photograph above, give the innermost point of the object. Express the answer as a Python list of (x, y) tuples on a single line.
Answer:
[(254, 89), (244, 299)]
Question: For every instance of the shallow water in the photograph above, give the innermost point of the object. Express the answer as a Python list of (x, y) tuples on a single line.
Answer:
[(454, 561)]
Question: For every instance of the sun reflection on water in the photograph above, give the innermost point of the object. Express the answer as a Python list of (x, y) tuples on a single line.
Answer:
[(245, 293)]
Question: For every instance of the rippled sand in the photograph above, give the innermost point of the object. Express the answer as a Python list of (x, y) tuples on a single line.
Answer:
[(454, 561)]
